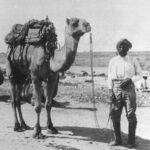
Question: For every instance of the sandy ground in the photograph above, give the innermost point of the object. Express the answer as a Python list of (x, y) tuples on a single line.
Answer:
[(80, 126), (77, 127)]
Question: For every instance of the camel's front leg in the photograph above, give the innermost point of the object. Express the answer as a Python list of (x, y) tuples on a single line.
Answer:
[(49, 92), (37, 99)]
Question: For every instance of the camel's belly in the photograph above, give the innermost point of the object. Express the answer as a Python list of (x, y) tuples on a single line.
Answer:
[(30, 61)]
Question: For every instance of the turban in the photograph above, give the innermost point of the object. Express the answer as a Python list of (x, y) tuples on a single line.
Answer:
[(124, 43)]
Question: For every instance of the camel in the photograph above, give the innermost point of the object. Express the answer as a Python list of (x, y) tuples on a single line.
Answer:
[(41, 71)]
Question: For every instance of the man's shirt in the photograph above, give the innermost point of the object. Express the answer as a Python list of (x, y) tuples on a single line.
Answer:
[(123, 67)]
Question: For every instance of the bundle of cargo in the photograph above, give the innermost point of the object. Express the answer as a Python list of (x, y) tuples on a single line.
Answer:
[(33, 32)]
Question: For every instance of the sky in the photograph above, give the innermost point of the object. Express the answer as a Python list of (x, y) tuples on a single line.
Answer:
[(111, 20)]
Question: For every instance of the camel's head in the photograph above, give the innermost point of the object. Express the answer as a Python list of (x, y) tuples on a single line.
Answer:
[(77, 27)]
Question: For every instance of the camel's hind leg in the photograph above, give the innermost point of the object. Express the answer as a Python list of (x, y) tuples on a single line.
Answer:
[(24, 126), (49, 92), (37, 100), (17, 126), (13, 87)]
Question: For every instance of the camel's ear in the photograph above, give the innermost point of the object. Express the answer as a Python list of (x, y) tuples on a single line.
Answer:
[(67, 21)]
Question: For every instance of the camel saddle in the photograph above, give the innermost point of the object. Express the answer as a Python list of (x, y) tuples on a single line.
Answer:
[(32, 33)]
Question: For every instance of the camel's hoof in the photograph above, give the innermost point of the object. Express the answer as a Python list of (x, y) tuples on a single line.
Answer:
[(52, 130), (37, 133), (25, 127), (38, 136), (18, 128)]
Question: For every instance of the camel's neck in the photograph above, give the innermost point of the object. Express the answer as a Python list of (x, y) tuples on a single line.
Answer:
[(71, 44), (64, 57)]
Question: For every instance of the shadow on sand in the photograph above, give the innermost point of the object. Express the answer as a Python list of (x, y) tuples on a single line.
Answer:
[(79, 108), (103, 135), (64, 105)]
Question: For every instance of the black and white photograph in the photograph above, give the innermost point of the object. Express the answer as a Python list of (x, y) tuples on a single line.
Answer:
[(74, 74)]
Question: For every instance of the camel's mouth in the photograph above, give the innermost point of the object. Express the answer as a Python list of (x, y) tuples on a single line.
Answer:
[(86, 27)]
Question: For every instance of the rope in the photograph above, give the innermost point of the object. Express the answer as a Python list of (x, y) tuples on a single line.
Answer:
[(93, 88), (93, 92)]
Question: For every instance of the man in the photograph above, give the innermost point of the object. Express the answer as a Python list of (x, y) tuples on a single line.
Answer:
[(123, 71)]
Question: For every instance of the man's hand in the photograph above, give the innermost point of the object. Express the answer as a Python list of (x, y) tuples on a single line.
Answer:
[(111, 95), (125, 83)]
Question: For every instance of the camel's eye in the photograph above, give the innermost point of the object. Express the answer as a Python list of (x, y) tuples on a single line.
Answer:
[(75, 24)]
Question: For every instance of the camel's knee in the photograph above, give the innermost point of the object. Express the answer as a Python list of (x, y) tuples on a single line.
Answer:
[(48, 105), (38, 108)]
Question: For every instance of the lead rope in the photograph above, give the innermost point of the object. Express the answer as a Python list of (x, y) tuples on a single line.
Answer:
[(93, 92), (93, 88)]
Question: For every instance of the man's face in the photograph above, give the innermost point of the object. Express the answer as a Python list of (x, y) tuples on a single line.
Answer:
[(122, 51)]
